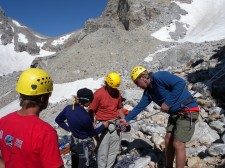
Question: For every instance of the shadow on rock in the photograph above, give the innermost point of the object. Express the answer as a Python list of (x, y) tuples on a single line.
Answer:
[(144, 149), (212, 76)]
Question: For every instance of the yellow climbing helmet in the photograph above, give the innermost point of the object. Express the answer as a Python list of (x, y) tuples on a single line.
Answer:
[(136, 72), (113, 80), (34, 82)]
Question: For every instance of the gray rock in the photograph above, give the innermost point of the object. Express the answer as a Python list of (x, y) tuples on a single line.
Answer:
[(217, 149)]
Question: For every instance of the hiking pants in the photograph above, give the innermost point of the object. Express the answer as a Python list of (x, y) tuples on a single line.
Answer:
[(108, 147)]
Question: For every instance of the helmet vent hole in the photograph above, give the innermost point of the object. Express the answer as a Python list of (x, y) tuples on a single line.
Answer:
[(33, 82), (34, 87)]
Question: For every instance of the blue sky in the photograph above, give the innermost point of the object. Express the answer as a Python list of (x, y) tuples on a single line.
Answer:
[(53, 17)]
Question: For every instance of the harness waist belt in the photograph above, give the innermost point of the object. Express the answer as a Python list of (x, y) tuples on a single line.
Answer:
[(188, 118), (111, 120), (189, 110), (77, 140)]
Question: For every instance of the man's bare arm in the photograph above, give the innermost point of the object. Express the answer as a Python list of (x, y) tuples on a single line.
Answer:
[(2, 164), (121, 114)]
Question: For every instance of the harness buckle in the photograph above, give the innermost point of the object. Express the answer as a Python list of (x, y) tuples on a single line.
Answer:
[(185, 114)]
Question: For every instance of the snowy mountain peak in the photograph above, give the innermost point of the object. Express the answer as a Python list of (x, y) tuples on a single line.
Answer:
[(20, 45)]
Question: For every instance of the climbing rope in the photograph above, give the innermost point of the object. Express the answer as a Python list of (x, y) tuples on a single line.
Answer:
[(145, 117), (214, 78), (127, 161)]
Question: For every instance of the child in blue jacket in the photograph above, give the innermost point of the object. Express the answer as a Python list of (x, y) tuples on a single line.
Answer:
[(80, 125)]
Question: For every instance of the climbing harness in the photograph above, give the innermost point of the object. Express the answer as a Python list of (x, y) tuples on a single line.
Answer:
[(115, 124), (185, 113), (112, 126), (84, 148)]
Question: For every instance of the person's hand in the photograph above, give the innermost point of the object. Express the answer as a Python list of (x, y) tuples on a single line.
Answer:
[(65, 150), (164, 107), (123, 122), (105, 123)]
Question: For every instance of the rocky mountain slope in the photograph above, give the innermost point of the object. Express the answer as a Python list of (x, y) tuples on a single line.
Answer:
[(117, 41)]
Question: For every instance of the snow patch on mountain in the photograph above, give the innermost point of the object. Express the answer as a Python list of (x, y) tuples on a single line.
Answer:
[(60, 92), (17, 61), (61, 40), (18, 24), (205, 21), (22, 38)]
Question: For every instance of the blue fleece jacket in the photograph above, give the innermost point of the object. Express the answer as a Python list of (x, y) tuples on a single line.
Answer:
[(164, 87), (78, 122)]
